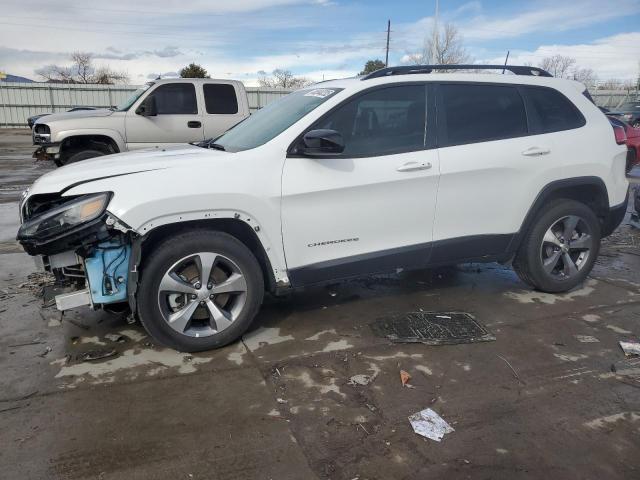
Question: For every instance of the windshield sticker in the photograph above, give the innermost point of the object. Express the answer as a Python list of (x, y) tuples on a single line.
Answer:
[(319, 92)]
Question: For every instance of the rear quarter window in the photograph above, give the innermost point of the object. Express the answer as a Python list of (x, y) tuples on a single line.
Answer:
[(472, 113), (220, 98), (550, 111)]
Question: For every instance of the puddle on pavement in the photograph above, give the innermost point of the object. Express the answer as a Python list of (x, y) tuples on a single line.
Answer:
[(127, 358), (533, 296)]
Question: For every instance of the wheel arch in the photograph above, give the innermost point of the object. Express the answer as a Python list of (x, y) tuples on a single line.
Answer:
[(104, 141), (591, 191), (232, 226)]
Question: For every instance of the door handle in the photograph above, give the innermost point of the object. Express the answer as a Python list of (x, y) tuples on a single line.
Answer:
[(414, 166), (194, 124), (536, 152)]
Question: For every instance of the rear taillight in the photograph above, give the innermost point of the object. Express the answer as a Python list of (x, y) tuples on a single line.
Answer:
[(620, 134)]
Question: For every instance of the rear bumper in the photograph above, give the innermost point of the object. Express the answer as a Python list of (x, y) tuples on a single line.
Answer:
[(615, 217)]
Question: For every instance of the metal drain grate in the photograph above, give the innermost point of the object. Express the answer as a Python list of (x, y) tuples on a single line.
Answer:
[(432, 328)]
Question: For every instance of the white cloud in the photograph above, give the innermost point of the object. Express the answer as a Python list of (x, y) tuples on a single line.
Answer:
[(611, 57), (546, 17)]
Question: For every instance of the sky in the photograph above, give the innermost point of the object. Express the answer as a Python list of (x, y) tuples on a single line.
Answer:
[(318, 39)]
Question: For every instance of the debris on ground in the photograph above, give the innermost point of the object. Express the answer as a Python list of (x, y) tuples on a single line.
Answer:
[(36, 282), (115, 338), (96, 355), (630, 349), (432, 328), (515, 374), (25, 344), (429, 424), (361, 380), (45, 352), (404, 378), (586, 339)]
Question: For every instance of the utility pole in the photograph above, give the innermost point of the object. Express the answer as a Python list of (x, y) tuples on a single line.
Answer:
[(386, 58), (434, 41)]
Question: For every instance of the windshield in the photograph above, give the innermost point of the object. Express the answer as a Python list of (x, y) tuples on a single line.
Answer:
[(273, 119), (126, 105)]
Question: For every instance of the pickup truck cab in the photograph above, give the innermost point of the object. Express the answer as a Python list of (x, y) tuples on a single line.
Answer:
[(159, 114)]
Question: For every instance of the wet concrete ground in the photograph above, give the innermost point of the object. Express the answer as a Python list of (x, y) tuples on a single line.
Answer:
[(543, 400)]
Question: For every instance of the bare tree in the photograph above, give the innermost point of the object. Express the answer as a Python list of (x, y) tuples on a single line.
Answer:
[(81, 70), (283, 79), (561, 66), (558, 65), (449, 48), (584, 75)]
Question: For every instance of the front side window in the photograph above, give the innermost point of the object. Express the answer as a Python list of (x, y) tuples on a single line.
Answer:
[(272, 120), (176, 99), (220, 98), (551, 111), (381, 122), (480, 113)]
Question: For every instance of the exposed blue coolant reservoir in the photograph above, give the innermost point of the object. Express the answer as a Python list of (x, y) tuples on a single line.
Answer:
[(106, 272)]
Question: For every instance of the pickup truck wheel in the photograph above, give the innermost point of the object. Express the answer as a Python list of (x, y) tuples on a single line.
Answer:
[(81, 155), (200, 290), (560, 248)]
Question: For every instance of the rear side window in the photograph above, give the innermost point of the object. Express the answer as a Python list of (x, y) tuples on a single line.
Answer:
[(382, 122), (550, 111), (220, 98), (176, 99), (480, 113)]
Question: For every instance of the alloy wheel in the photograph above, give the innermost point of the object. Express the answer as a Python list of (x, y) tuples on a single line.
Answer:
[(202, 294), (566, 247)]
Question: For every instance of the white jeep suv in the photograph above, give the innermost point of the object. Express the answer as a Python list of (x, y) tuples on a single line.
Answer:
[(403, 168)]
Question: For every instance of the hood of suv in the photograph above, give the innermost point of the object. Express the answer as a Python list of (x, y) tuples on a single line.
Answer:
[(120, 164), (54, 117)]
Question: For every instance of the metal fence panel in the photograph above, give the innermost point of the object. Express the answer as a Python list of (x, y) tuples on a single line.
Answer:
[(18, 101)]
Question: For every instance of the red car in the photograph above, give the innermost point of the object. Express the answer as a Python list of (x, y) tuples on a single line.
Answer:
[(628, 135)]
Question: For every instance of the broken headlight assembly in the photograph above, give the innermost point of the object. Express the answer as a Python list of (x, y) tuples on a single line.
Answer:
[(65, 217)]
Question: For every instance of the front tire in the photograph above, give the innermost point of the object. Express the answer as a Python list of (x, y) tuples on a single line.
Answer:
[(560, 248), (199, 290), (79, 156)]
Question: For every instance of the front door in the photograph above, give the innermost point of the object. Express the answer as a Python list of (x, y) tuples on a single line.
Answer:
[(178, 119), (371, 208)]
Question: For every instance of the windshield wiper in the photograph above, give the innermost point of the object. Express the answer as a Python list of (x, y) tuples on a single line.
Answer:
[(209, 143)]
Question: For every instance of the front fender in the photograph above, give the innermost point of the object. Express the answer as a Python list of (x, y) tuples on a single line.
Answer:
[(153, 210), (59, 137)]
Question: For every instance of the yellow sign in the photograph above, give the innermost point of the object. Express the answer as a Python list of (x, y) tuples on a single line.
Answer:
[(3, 75)]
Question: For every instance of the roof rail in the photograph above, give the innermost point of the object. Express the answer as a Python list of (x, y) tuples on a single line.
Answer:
[(415, 69)]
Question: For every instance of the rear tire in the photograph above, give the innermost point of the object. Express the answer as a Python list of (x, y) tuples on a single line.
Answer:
[(79, 156), (560, 248), (210, 277)]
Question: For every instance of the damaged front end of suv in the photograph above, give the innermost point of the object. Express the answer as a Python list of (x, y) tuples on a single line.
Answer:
[(82, 245)]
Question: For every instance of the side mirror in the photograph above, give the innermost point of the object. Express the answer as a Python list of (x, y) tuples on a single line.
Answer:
[(318, 143), (148, 107)]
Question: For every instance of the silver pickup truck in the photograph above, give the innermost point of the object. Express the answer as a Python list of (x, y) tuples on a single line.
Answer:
[(159, 114)]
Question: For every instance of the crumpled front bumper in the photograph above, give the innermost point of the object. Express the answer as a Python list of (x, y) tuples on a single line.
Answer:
[(48, 151)]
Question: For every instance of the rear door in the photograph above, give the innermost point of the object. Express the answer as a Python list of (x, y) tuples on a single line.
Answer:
[(178, 120), (492, 168), (370, 208), (223, 107)]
